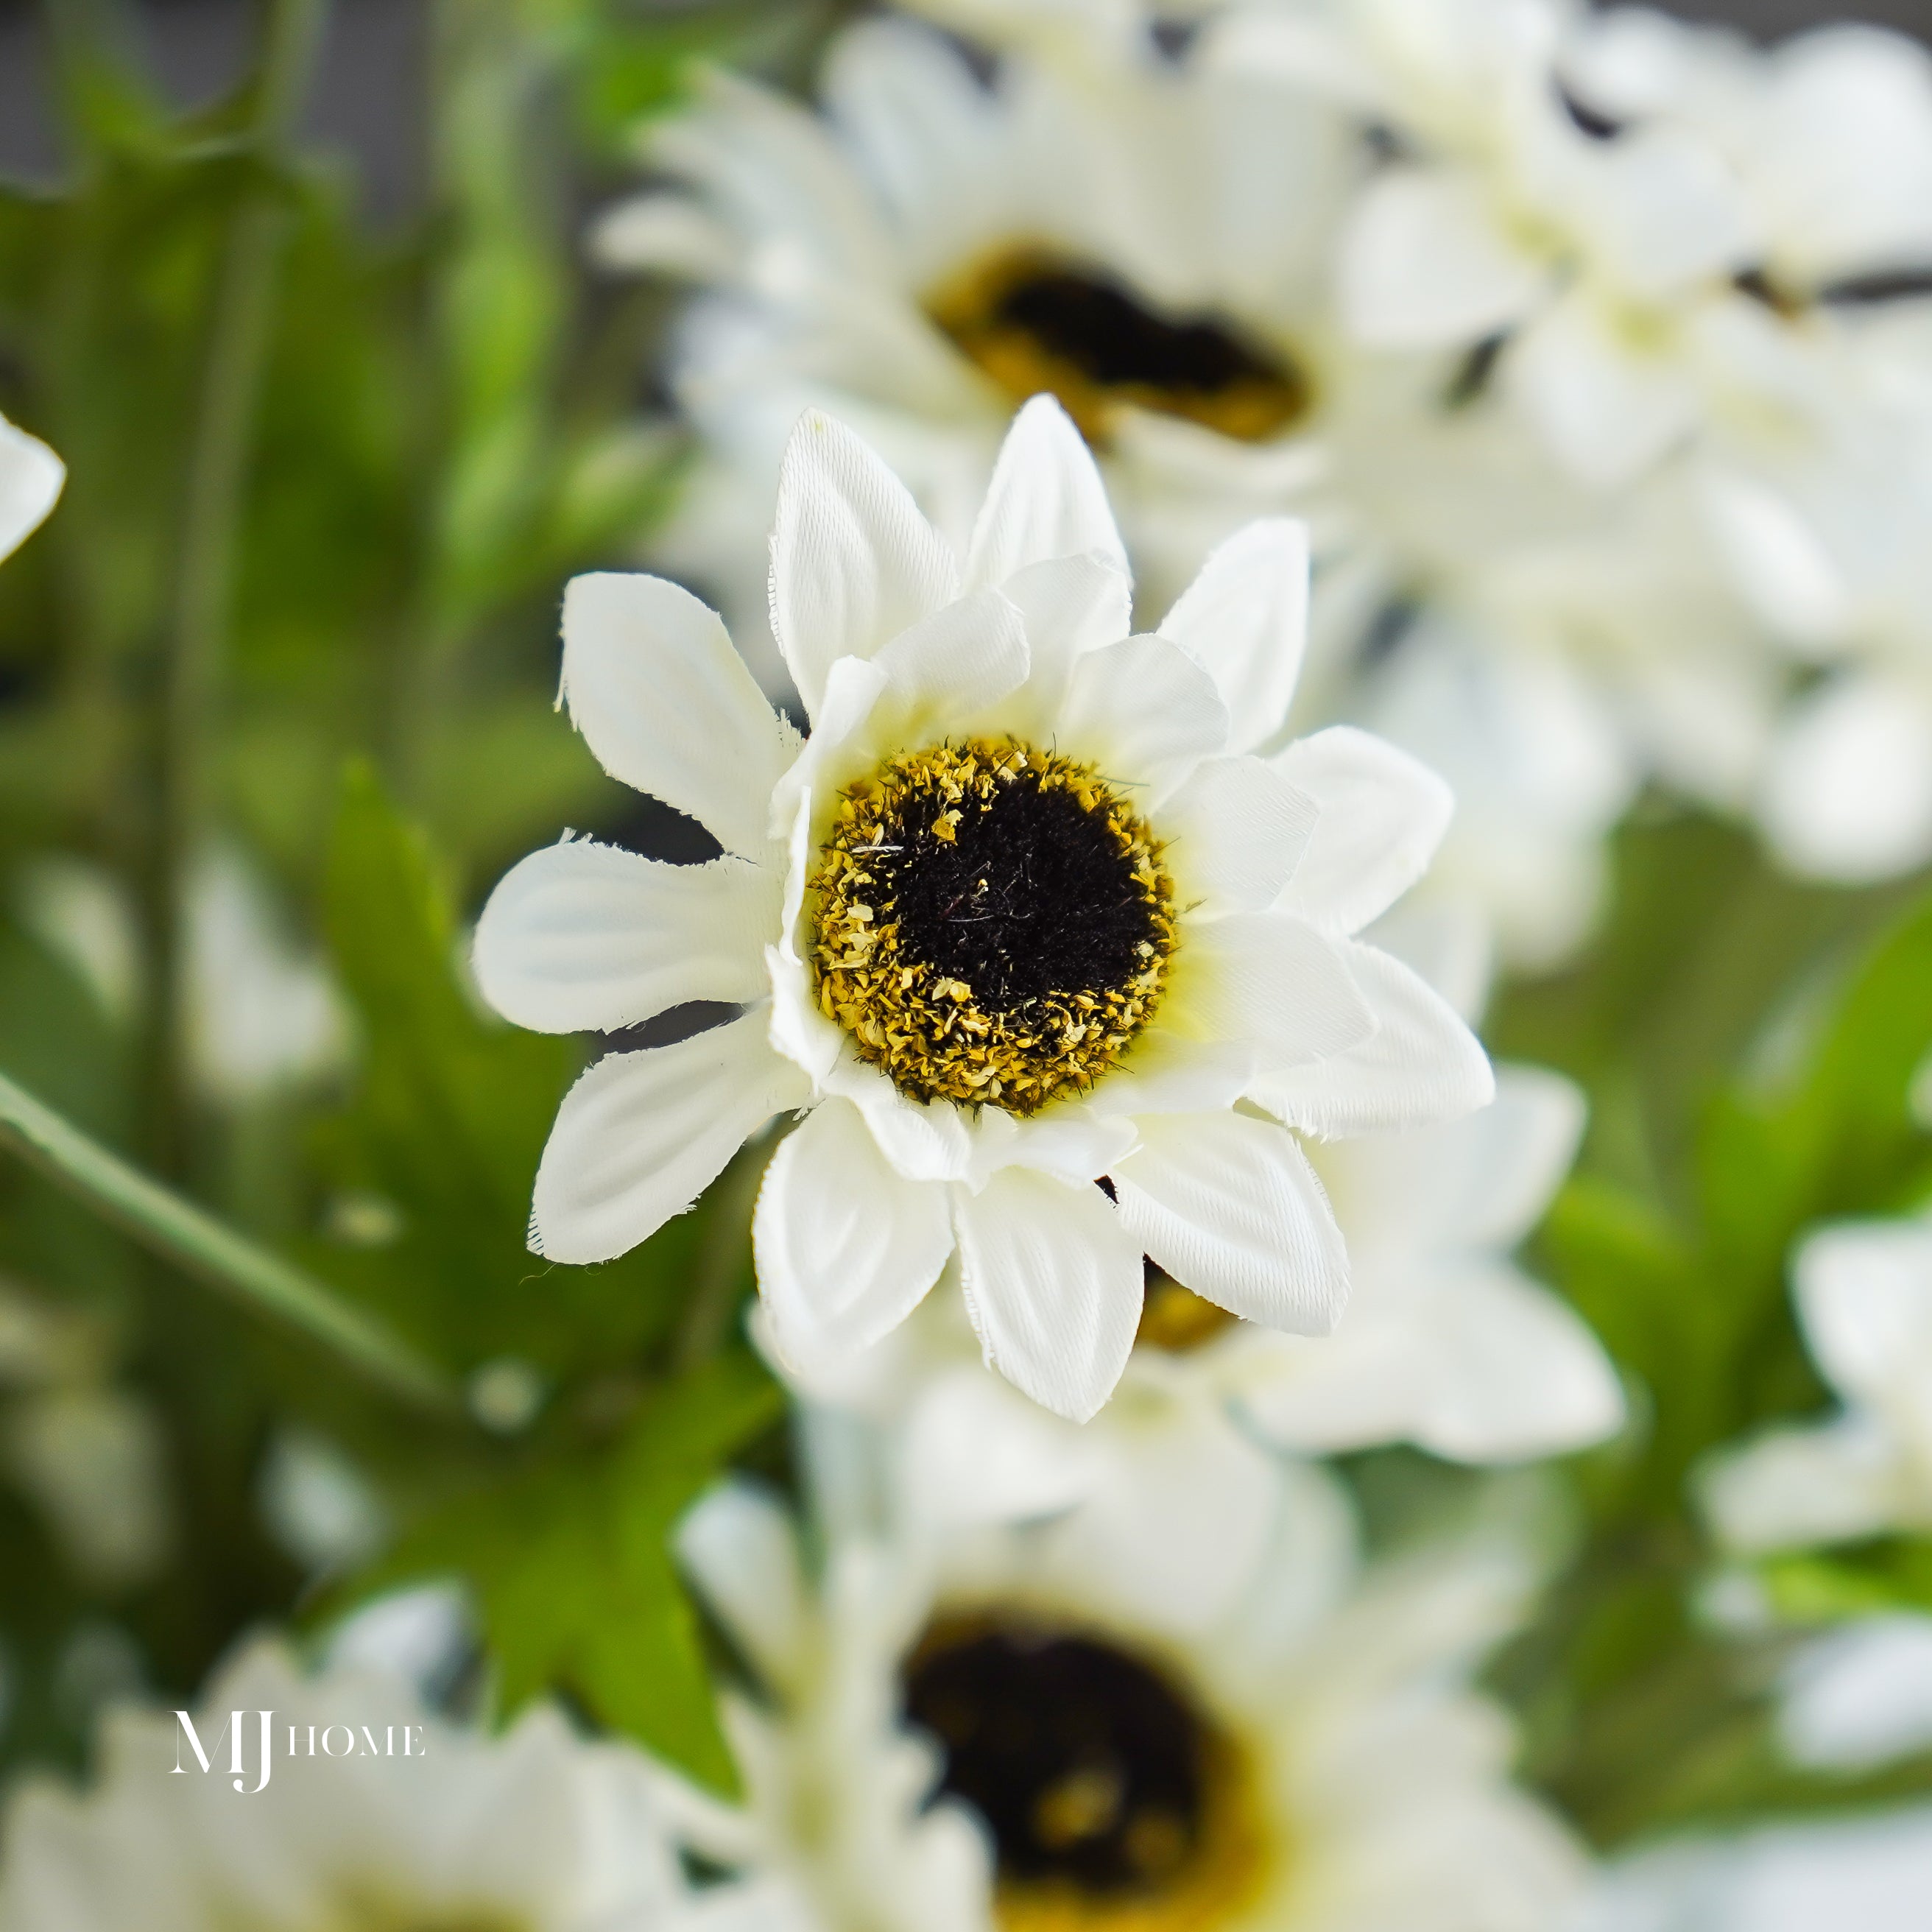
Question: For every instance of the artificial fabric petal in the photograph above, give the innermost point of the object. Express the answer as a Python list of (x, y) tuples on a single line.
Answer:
[(846, 1248), (1229, 1205), (642, 1135), (1045, 500), (854, 562), (1244, 620), (667, 706), (1382, 814), (1234, 834), (1421, 1064), (581, 938), (1052, 1282)]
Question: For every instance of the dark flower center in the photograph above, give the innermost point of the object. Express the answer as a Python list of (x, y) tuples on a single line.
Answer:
[(1107, 1792), (992, 923), (1033, 321)]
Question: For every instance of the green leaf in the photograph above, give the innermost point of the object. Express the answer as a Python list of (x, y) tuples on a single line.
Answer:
[(1866, 1579), (571, 1565), (447, 1124)]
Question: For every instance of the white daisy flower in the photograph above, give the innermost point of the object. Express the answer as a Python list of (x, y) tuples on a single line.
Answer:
[(537, 1829), (1607, 267), (1023, 915), (1446, 1343), (1864, 1294), (1829, 134), (30, 478), (1311, 1759), (1147, 240)]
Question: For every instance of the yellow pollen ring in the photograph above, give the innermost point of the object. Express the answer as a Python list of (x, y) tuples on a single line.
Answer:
[(923, 1027)]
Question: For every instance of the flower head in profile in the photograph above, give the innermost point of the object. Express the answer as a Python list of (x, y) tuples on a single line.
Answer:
[(1056, 969)]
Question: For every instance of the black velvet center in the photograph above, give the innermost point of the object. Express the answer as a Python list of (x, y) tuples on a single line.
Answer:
[(1095, 323), (1086, 1767), (1033, 895)]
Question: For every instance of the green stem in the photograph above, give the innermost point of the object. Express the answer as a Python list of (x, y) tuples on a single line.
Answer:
[(200, 1246), (239, 337)]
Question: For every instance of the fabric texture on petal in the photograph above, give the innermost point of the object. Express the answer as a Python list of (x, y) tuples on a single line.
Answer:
[(1045, 500), (667, 706), (1235, 834), (846, 1248), (1145, 712), (581, 937), (642, 1135), (1052, 1282), (1271, 983), (854, 562), (1383, 814), (1421, 1064), (1229, 1206), (1244, 620)]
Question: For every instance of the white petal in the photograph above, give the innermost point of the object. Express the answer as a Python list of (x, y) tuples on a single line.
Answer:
[(1072, 605), (1795, 1487), (1426, 264), (642, 1135), (31, 477), (977, 1451), (1269, 982), (582, 937), (1053, 1285), (1071, 1142), (1518, 1152), (846, 1250), (1229, 1206), (1383, 814), (853, 563), (1864, 1294), (668, 706), (1848, 795), (1781, 568), (960, 661), (1609, 407), (1244, 620), (1144, 712), (1512, 1372), (1234, 834), (923, 1140), (738, 1546), (1045, 500), (1421, 1064)]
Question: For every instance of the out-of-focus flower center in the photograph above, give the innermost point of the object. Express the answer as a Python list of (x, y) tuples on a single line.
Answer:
[(1033, 321), (992, 923), (1176, 1319), (1113, 1800)]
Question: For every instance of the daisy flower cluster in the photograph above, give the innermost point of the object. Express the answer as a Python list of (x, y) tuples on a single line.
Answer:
[(1205, 1202)]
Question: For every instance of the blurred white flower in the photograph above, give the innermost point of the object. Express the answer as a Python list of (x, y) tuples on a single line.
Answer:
[(537, 1829), (31, 477), (1828, 134), (87, 1452), (1859, 1696), (1864, 1294), (317, 1504), (79, 913), (260, 1015), (996, 973), (1873, 1874), (1311, 1758), (1445, 1343), (1147, 239)]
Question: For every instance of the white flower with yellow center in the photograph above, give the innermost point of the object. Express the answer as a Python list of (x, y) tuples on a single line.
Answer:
[(1023, 916), (536, 1832), (1311, 1758), (1864, 1292), (1446, 1343), (1147, 240)]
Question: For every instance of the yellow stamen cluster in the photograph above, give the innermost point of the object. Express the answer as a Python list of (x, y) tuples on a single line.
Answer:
[(923, 1027)]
